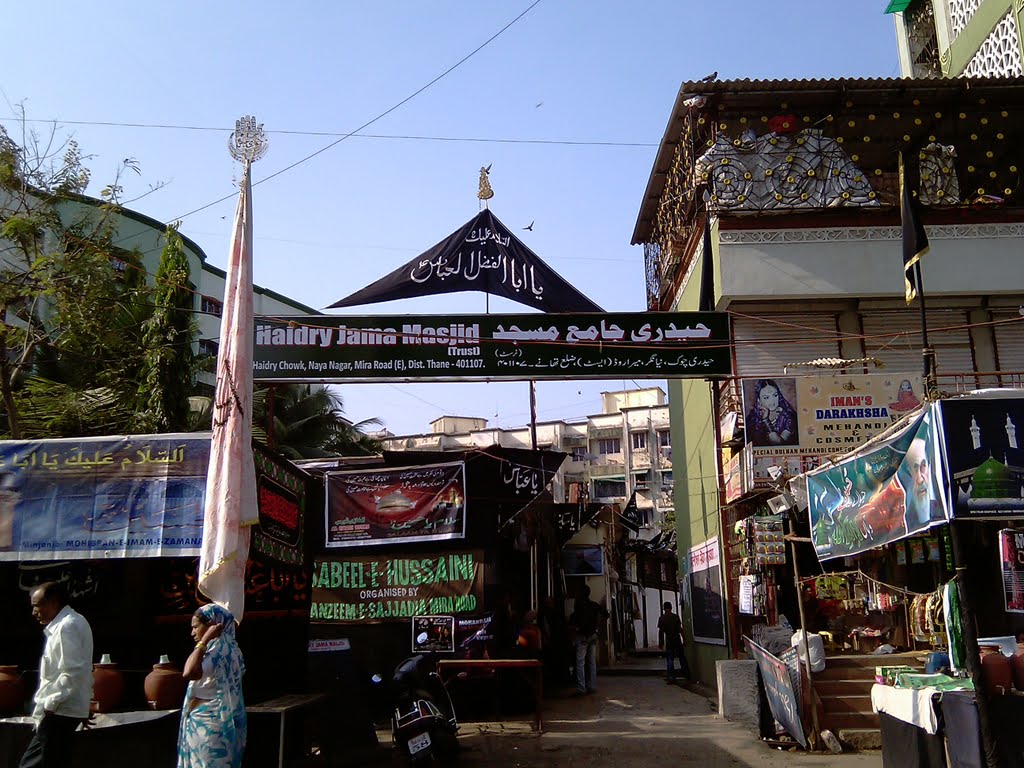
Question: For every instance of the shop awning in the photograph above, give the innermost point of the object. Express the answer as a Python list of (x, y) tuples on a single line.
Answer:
[(898, 6)]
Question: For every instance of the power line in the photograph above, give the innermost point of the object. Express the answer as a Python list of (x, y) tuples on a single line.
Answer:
[(353, 134), (382, 115)]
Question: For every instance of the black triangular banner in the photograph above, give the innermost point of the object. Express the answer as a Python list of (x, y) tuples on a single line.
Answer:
[(482, 255)]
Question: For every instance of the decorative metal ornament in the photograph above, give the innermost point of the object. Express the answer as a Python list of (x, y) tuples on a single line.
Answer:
[(939, 183), (485, 192), (248, 142), (777, 171)]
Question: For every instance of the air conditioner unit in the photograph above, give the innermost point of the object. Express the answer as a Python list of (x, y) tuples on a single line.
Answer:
[(779, 504)]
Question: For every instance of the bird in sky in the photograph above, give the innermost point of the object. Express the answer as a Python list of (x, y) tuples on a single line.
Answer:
[(529, 227), (538, 105), (709, 78), (488, 168)]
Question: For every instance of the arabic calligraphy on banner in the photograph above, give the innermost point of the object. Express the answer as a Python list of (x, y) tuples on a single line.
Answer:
[(481, 255), (793, 421), (138, 496), (377, 588), (330, 348), (889, 491), (402, 504), (469, 263)]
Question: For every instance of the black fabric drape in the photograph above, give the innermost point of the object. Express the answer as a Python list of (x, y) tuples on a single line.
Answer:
[(482, 255)]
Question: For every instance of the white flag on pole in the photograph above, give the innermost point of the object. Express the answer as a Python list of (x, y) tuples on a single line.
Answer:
[(231, 481)]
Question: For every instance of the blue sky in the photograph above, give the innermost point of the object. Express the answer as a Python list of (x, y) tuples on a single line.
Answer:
[(569, 71)]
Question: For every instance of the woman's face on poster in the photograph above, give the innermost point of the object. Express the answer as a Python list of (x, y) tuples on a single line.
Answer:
[(769, 397)]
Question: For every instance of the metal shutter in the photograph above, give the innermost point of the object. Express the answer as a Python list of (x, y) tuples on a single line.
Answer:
[(894, 337), (1009, 342), (767, 344)]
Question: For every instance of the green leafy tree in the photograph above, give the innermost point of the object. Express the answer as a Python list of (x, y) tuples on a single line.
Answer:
[(72, 303), (168, 366)]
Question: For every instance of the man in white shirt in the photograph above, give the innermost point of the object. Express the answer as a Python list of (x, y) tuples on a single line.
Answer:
[(65, 678)]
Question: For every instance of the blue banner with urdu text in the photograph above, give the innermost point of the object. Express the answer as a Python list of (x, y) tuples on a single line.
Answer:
[(103, 497)]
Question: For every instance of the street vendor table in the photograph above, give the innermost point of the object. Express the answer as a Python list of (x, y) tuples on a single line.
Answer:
[(114, 739), (281, 707), (531, 668), (910, 727)]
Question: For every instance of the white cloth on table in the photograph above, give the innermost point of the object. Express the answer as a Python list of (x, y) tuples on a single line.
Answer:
[(911, 705)]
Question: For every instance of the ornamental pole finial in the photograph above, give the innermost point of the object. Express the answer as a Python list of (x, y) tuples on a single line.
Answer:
[(248, 142), (485, 192)]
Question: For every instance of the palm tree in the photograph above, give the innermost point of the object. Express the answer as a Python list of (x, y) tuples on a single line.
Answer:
[(308, 422)]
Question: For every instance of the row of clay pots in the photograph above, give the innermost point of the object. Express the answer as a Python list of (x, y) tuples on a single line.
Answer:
[(1001, 673), (164, 687)]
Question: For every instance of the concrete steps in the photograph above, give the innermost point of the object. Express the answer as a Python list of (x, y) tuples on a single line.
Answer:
[(844, 687)]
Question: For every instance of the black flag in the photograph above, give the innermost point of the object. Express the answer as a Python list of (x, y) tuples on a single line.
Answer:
[(482, 255), (915, 240), (631, 515), (707, 270)]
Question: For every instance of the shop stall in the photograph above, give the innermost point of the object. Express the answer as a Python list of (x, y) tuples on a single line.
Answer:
[(119, 521), (924, 525), (469, 536)]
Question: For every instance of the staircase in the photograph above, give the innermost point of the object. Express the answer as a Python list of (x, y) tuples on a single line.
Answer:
[(844, 688)]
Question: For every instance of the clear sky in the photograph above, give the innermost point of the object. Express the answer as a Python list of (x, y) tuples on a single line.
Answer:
[(568, 71)]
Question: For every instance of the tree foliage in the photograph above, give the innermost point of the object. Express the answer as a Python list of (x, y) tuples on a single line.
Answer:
[(165, 381), (72, 302)]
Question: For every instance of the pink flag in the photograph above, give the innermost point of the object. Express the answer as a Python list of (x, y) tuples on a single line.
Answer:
[(231, 480)]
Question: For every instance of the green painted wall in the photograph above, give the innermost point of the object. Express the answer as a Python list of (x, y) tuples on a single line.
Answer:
[(695, 477)]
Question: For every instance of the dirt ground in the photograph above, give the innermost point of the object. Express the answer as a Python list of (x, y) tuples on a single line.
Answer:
[(630, 722)]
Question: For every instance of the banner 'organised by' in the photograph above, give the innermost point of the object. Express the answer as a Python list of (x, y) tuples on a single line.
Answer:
[(377, 588)]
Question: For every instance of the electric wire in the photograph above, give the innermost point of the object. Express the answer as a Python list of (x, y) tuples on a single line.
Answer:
[(379, 117), (353, 134)]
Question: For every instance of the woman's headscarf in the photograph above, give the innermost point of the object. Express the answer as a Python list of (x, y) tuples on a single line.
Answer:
[(228, 664), (223, 652)]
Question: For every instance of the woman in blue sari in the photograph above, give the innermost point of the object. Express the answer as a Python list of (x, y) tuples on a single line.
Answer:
[(212, 732)]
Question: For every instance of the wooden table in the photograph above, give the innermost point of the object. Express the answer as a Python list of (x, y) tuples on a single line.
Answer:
[(450, 667), (281, 706)]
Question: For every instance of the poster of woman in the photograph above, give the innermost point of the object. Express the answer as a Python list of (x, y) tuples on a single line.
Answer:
[(770, 407)]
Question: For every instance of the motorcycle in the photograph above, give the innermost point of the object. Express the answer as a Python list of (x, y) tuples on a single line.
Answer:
[(423, 725)]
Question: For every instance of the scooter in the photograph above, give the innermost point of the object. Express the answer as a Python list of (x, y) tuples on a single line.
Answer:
[(423, 726)]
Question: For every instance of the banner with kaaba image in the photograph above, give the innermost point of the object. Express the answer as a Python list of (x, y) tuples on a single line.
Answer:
[(395, 505), (984, 459), (892, 489)]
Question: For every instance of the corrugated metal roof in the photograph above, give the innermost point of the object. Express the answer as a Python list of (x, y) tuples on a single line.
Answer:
[(737, 96)]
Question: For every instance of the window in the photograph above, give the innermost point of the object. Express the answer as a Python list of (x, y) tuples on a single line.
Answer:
[(664, 438), (579, 453), (609, 489), (211, 306), (639, 440), (208, 347), (609, 445)]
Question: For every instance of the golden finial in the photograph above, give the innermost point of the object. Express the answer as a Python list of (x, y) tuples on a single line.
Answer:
[(485, 192)]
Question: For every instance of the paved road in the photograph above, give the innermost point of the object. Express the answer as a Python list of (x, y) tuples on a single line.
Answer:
[(632, 722)]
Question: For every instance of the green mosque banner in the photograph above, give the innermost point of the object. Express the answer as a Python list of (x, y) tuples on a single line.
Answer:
[(371, 589), (984, 459)]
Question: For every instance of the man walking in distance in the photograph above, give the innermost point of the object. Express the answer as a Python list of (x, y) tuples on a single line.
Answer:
[(584, 620), (65, 678), (670, 637)]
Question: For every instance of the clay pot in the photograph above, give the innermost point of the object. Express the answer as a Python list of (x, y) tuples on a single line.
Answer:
[(996, 670), (164, 686), (1017, 665), (107, 686), (12, 691)]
